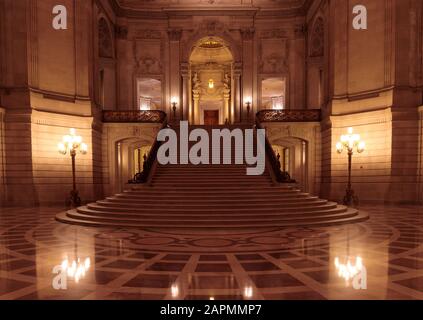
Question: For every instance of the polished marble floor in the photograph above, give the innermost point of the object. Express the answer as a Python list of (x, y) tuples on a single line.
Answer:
[(385, 257)]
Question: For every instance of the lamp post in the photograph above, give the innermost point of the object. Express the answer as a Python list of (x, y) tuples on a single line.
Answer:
[(72, 144), (350, 142)]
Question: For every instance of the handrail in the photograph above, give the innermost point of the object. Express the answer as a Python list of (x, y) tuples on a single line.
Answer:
[(278, 175), (140, 116), (145, 175), (298, 115)]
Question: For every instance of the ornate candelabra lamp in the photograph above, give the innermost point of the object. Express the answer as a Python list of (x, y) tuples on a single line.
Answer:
[(350, 142), (72, 144)]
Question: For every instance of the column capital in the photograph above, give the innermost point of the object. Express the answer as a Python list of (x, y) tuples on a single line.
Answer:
[(247, 34), (184, 69), (174, 34)]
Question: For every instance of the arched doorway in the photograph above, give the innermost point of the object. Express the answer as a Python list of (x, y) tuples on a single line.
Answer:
[(130, 155), (211, 69), (293, 156)]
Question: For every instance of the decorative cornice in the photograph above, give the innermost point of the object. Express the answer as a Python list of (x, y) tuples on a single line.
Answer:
[(147, 9)]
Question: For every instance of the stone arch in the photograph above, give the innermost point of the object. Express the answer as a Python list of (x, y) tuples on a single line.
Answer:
[(308, 133), (317, 38), (105, 39), (212, 29)]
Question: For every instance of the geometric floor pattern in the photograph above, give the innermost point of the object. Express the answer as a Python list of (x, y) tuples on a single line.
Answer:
[(272, 263)]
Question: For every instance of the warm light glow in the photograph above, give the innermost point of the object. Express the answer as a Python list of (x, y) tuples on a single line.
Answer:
[(211, 298), (211, 83), (174, 100), (248, 292), (350, 141), (71, 143), (84, 148), (350, 268), (76, 269), (144, 107), (361, 147), (248, 100), (278, 106), (174, 290)]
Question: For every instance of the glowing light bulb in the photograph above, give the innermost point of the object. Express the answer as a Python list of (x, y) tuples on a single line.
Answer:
[(339, 147), (174, 289), (61, 147)]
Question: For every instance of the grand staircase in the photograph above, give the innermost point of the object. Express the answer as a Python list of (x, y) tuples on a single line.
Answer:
[(211, 196)]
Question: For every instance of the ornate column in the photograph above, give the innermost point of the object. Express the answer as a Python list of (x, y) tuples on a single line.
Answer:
[(174, 70), (247, 35), (226, 111), (236, 110), (196, 98), (185, 99)]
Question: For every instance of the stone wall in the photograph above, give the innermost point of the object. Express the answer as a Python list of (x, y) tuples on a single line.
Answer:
[(371, 170), (52, 171)]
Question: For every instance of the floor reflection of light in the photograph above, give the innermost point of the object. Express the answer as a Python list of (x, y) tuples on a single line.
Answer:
[(76, 269), (248, 292), (350, 268), (174, 290)]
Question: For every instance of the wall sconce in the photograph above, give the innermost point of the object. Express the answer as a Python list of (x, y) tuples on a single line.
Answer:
[(350, 142), (211, 84), (71, 144), (248, 102), (174, 102)]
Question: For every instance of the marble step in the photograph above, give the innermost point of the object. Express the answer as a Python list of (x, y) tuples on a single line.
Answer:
[(320, 222)]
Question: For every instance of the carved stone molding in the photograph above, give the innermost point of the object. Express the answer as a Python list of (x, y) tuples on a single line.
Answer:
[(174, 34), (148, 65), (105, 40), (212, 27), (121, 32), (317, 39), (247, 34), (274, 34), (148, 34), (274, 64)]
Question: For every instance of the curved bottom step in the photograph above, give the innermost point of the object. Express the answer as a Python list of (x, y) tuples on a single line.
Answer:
[(360, 216)]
